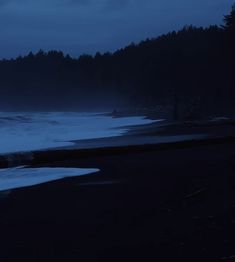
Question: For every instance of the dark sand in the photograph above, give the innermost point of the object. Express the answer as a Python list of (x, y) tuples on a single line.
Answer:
[(148, 205)]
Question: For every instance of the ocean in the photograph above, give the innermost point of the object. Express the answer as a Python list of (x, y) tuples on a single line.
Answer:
[(28, 131), (35, 131)]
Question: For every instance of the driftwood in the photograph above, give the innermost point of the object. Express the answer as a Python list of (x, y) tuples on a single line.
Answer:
[(196, 193)]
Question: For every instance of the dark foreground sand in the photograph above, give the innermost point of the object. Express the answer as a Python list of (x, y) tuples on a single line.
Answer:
[(153, 206), (145, 205)]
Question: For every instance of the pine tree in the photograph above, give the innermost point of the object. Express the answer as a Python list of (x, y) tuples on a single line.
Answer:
[(229, 20)]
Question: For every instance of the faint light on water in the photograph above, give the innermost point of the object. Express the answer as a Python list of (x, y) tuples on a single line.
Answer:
[(11, 178), (35, 131)]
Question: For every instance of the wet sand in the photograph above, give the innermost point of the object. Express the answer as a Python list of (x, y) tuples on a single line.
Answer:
[(154, 136), (145, 205)]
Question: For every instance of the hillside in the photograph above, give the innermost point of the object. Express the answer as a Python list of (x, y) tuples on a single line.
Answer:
[(191, 69)]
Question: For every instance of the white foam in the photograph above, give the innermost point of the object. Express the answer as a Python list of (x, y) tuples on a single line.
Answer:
[(11, 178), (34, 131)]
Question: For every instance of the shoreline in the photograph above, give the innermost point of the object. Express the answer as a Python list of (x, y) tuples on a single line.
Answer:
[(50, 156), (155, 136), (160, 202)]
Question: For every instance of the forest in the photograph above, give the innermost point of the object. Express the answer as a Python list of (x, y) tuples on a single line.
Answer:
[(191, 70)]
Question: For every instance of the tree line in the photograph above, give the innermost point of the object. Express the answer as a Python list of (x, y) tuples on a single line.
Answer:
[(190, 68)]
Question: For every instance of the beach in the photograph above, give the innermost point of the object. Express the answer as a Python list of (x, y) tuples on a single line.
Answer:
[(146, 203)]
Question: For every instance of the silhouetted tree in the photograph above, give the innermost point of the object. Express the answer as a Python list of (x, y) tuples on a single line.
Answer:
[(229, 20), (173, 69)]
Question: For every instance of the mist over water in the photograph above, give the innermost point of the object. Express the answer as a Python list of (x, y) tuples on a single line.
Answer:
[(35, 131)]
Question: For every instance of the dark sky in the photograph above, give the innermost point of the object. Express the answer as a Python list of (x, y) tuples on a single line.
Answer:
[(87, 26)]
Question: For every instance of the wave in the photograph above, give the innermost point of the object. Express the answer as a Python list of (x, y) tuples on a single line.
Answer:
[(36, 131)]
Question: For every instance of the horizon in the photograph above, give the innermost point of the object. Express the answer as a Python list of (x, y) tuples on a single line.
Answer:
[(104, 27), (46, 52)]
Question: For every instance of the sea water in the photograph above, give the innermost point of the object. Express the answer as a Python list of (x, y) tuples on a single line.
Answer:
[(45, 130), (35, 131), (17, 177)]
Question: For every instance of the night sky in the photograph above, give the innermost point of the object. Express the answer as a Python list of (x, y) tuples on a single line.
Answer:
[(88, 26)]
